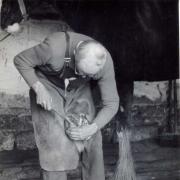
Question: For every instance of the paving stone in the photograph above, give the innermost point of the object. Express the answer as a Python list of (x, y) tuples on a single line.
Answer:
[(148, 114), (18, 158), (15, 111), (17, 100), (29, 172), (11, 171), (143, 132), (20, 173), (15, 123), (25, 140), (7, 140)]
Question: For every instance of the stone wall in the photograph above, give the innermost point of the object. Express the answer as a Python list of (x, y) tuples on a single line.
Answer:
[(148, 113)]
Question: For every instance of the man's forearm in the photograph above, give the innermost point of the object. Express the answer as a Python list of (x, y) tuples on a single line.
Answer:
[(27, 60), (27, 72), (106, 114)]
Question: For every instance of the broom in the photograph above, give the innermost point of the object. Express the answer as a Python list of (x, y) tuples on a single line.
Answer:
[(125, 165)]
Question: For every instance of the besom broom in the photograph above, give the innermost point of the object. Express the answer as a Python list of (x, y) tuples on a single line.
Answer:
[(125, 165)]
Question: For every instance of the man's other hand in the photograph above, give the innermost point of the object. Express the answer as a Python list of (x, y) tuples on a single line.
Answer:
[(43, 97), (82, 133)]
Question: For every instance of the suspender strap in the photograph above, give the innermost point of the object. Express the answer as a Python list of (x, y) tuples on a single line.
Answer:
[(67, 58), (23, 9)]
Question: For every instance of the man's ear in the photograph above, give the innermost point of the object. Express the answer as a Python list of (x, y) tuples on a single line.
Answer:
[(77, 46)]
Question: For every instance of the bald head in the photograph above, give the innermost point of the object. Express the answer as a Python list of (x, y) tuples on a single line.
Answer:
[(90, 57)]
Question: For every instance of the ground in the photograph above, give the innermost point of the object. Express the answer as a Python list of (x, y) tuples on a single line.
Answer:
[(152, 161)]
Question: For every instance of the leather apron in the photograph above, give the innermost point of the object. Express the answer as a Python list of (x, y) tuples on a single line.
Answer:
[(56, 151)]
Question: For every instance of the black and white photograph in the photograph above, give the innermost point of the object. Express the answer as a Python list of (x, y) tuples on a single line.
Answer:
[(89, 90)]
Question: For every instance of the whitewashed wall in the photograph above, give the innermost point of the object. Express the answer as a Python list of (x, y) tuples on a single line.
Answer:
[(33, 32)]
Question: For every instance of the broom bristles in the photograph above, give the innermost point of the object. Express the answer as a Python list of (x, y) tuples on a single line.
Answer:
[(125, 166)]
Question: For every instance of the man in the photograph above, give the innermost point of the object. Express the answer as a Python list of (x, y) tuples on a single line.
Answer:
[(59, 71)]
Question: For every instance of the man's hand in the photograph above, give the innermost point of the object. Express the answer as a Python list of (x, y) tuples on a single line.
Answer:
[(82, 133), (42, 96)]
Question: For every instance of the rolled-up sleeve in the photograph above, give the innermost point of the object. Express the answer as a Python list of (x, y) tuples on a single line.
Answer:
[(27, 60), (109, 94)]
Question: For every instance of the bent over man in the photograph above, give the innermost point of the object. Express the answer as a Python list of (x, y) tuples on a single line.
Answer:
[(66, 123)]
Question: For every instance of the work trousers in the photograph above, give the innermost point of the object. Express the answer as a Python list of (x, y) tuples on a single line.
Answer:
[(92, 164)]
